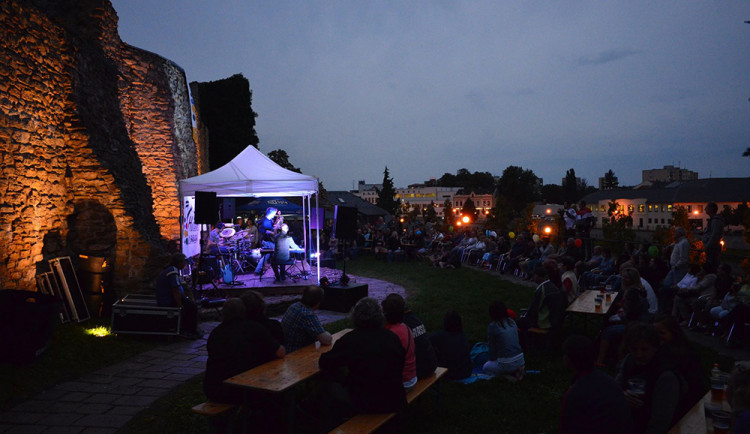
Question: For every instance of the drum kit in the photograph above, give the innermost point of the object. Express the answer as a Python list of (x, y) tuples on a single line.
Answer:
[(237, 245)]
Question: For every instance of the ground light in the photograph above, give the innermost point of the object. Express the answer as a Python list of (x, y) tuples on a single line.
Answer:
[(465, 219), (99, 332), (547, 230)]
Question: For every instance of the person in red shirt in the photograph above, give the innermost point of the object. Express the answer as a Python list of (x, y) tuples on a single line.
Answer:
[(393, 309)]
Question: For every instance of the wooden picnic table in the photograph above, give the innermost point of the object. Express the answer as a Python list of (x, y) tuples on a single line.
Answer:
[(694, 421), (585, 305), (281, 375)]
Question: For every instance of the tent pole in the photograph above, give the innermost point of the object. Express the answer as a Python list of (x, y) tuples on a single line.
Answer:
[(305, 236), (317, 234)]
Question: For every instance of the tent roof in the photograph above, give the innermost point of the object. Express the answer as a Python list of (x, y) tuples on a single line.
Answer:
[(251, 174), (262, 203)]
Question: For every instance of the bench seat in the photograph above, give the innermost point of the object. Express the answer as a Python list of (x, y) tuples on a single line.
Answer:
[(210, 408), (367, 423)]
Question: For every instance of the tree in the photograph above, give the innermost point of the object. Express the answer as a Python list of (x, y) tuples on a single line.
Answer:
[(570, 186), (430, 215), (519, 187), (610, 181), (387, 196), (469, 209), (618, 229), (448, 212), (553, 193), (226, 109), (477, 181), (281, 158)]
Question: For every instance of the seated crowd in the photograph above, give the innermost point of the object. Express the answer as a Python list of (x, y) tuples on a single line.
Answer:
[(370, 369)]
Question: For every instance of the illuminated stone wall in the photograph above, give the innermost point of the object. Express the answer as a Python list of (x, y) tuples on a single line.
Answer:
[(94, 135)]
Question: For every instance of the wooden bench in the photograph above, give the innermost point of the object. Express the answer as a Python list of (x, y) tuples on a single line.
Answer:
[(367, 423), (535, 332), (218, 414)]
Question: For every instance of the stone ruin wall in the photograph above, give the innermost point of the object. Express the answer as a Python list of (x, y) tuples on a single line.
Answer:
[(94, 135)]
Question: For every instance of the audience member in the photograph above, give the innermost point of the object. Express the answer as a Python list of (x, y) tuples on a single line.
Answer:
[(393, 309), (505, 353), (712, 235), (569, 279), (234, 346), (425, 354), (547, 306), (667, 292), (686, 297), (651, 383), (374, 362), (452, 348), (300, 324), (594, 403), (255, 307)]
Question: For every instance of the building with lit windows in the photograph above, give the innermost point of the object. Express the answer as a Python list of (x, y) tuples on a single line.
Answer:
[(483, 202), (420, 196), (652, 208)]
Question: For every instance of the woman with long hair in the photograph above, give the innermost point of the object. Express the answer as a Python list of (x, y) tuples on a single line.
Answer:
[(505, 353)]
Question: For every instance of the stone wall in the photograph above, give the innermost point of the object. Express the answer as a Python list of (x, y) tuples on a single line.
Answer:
[(94, 135)]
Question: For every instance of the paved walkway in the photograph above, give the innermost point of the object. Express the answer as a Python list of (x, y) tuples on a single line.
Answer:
[(105, 400)]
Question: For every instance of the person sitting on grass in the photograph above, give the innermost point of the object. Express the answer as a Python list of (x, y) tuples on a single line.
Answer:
[(393, 309), (505, 353), (594, 402), (452, 348), (423, 351), (548, 305)]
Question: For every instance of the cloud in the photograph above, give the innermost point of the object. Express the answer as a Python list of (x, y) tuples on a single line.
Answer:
[(605, 57)]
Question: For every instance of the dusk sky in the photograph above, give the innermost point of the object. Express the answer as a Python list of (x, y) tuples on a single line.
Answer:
[(425, 88)]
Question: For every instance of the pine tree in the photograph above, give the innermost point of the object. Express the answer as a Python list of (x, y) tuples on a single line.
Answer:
[(387, 196)]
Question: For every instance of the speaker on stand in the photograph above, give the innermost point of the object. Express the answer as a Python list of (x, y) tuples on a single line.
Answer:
[(345, 228)]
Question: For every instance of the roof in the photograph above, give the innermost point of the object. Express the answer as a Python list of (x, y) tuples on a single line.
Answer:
[(697, 191), (345, 198), (251, 174)]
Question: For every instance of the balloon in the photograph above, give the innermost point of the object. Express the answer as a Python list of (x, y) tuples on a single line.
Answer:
[(511, 235), (419, 232), (579, 243), (450, 228), (535, 238), (653, 251)]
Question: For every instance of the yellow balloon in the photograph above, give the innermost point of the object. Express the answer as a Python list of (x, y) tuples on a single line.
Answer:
[(512, 235)]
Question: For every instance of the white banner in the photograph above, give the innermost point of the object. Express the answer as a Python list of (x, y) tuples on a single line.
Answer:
[(191, 232)]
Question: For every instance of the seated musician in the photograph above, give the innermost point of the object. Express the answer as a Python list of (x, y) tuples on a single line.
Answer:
[(283, 245), (170, 293)]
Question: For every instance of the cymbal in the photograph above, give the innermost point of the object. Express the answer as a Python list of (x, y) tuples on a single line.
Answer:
[(227, 232)]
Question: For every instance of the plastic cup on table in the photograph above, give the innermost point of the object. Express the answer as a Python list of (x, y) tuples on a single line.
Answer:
[(721, 421), (637, 386), (598, 304)]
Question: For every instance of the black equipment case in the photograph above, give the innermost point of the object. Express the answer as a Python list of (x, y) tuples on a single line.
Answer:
[(139, 314)]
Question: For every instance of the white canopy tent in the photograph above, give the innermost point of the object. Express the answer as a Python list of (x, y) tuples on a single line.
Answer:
[(252, 174)]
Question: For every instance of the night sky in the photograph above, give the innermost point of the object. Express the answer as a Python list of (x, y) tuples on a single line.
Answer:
[(348, 87)]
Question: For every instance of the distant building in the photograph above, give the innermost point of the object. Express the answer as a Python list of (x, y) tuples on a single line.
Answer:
[(420, 196), (483, 202), (368, 192), (668, 174), (652, 208)]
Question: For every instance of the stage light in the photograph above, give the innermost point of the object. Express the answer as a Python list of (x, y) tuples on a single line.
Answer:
[(549, 211), (99, 332), (314, 255), (458, 223), (465, 219), (547, 230)]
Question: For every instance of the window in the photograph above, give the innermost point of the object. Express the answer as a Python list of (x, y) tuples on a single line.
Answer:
[(662, 221), (663, 208), (641, 208), (669, 207), (604, 220), (640, 222), (650, 209), (630, 208), (649, 221)]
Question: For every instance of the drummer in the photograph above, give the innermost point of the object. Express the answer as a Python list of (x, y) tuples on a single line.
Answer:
[(217, 239), (251, 234)]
